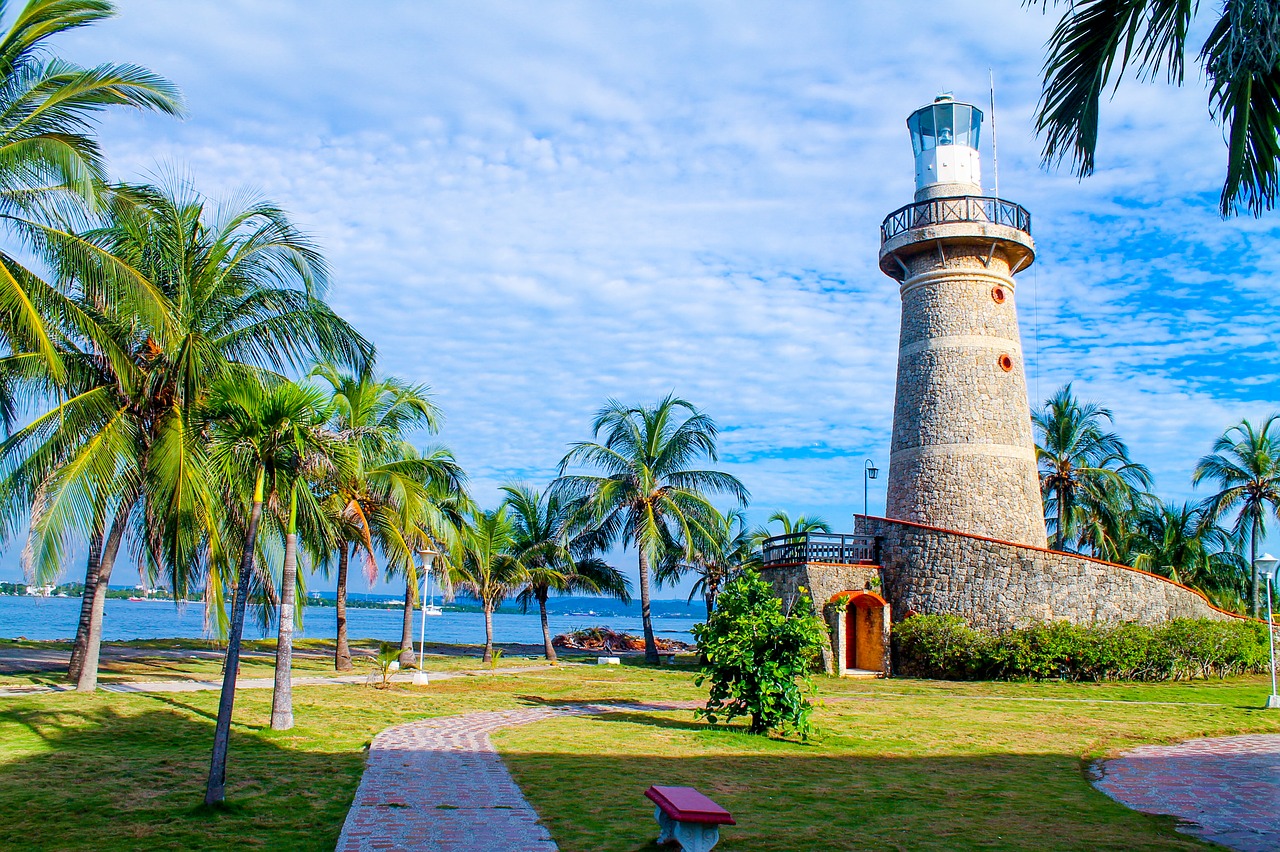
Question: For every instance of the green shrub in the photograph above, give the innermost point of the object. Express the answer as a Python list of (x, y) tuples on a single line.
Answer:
[(945, 647), (758, 658)]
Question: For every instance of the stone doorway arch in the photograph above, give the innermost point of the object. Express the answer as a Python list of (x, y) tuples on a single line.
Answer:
[(861, 640)]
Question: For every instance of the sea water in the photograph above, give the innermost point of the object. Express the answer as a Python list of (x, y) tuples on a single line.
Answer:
[(56, 618)]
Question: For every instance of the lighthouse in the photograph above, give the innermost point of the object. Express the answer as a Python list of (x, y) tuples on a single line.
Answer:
[(963, 454)]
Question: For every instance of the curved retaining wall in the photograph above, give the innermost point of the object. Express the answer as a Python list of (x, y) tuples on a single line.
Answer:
[(997, 585)]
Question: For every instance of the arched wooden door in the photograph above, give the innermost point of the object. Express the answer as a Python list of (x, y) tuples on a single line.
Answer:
[(864, 632)]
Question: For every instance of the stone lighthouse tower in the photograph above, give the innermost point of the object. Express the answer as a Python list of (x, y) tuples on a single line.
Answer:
[(963, 454)]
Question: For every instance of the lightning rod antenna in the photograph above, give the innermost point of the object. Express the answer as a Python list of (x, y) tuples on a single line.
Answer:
[(995, 151)]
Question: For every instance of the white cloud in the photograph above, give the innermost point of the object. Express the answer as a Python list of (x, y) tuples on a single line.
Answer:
[(535, 207)]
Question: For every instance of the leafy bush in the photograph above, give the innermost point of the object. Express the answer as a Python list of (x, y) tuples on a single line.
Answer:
[(945, 647), (758, 658)]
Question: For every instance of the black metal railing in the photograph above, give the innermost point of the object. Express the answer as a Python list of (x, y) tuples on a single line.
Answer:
[(820, 547), (964, 208)]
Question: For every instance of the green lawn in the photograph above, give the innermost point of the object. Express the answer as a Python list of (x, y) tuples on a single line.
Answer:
[(898, 764), (196, 659)]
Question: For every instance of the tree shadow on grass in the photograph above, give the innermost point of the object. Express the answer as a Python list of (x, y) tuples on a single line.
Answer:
[(102, 779), (595, 803)]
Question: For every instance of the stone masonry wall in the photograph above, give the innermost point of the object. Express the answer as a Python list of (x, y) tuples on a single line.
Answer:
[(997, 585), (962, 455), (823, 581)]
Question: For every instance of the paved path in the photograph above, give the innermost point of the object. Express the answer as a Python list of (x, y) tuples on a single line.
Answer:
[(1227, 789), (438, 785)]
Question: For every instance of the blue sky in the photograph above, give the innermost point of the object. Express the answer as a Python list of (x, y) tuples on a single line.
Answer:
[(534, 207)]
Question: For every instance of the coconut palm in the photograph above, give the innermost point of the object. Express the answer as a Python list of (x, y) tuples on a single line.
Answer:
[(1097, 41), (1077, 456), (318, 455), (1106, 519), (548, 539), (1175, 541), (1245, 466), (117, 454), (646, 493), (802, 524), (486, 565), (394, 489), (719, 551), (52, 172), (257, 432)]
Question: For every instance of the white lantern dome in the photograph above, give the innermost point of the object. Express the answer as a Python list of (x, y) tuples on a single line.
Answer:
[(944, 137)]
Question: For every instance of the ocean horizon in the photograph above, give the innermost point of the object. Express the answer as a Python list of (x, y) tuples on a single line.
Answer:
[(55, 618)]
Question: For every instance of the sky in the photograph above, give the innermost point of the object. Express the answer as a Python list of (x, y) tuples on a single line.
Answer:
[(536, 207)]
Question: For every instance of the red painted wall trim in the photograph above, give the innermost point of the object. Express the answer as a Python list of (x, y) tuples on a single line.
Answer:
[(1202, 595)]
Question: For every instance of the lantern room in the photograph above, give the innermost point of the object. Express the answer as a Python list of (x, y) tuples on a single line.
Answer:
[(944, 137)]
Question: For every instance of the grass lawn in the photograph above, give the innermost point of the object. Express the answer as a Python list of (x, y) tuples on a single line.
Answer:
[(898, 764), (196, 659)]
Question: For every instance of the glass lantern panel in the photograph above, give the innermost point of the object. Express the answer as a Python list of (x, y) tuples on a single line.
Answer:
[(974, 127), (962, 113), (922, 134), (944, 120)]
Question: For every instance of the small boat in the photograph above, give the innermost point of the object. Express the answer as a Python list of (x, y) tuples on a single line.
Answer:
[(431, 608), (137, 599)]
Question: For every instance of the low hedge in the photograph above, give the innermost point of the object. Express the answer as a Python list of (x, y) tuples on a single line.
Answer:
[(945, 647)]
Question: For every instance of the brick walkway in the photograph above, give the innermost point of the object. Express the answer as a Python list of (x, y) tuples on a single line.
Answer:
[(438, 785), (1227, 789)]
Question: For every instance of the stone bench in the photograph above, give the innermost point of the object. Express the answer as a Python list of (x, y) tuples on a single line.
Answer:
[(687, 817)]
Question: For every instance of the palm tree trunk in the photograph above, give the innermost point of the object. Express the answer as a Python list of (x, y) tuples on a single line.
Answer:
[(1254, 592), (406, 628), (216, 790), (342, 656), (282, 693), (86, 600), (87, 680), (650, 646), (1062, 517), (488, 633), (550, 650), (710, 599)]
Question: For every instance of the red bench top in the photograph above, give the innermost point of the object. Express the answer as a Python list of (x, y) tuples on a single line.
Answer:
[(685, 804)]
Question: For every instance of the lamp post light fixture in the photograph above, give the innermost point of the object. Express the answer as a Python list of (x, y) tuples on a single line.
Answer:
[(869, 471), (428, 558), (1266, 566)]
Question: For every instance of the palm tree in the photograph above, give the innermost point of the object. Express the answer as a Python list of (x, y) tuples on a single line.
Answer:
[(118, 452), (548, 540), (1076, 455), (1095, 39), (487, 566), (318, 454), (376, 414), (257, 433), (1175, 541), (1245, 465), (722, 549), (1107, 519), (802, 524), (52, 171), (646, 494)]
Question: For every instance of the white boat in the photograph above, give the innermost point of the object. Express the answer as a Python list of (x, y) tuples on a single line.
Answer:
[(431, 608)]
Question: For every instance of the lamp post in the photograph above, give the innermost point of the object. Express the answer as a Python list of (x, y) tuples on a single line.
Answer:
[(1266, 566), (869, 471), (428, 557)]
